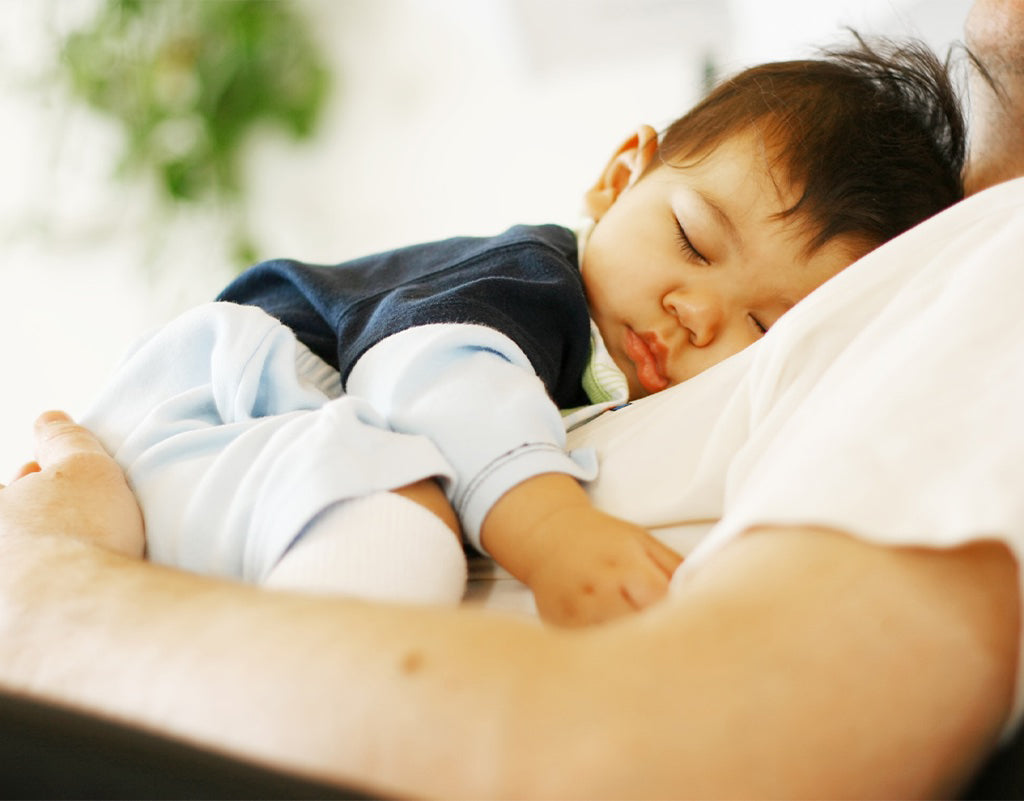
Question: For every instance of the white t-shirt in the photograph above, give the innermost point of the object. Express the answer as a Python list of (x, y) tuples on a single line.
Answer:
[(888, 404)]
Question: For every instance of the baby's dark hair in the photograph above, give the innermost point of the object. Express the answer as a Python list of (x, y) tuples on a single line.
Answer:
[(873, 134)]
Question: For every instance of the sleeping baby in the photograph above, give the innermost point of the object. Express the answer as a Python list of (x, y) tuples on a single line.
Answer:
[(351, 428)]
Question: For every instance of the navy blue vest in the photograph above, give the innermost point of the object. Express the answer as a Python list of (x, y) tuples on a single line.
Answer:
[(524, 283)]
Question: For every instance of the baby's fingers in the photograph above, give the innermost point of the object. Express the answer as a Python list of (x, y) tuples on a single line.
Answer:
[(642, 590), (664, 557), (585, 608), (648, 582)]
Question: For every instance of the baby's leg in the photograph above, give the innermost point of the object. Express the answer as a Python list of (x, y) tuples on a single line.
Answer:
[(395, 546), (237, 444)]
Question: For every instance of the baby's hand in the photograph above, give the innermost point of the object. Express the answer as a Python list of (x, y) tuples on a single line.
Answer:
[(596, 567), (584, 566)]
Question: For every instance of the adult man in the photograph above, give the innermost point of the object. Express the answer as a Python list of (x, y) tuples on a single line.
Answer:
[(794, 660)]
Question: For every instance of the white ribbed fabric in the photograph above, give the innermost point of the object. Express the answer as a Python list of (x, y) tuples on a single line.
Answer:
[(382, 547)]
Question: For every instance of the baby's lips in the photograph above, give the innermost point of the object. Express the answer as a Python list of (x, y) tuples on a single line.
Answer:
[(642, 351)]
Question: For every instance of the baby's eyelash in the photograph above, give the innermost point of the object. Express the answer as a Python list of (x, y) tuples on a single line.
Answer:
[(687, 246), (761, 326)]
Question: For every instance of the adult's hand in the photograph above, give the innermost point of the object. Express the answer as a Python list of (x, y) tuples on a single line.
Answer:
[(74, 488)]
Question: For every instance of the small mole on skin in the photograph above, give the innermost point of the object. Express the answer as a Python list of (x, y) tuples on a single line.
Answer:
[(411, 663)]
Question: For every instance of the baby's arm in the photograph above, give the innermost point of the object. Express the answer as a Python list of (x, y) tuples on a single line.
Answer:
[(583, 566), (474, 394)]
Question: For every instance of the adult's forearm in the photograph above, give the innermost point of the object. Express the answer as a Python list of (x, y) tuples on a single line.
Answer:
[(795, 663), (403, 699)]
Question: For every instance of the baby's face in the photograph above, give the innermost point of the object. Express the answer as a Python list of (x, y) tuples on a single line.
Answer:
[(689, 265)]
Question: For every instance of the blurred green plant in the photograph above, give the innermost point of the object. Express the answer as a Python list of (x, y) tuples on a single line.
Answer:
[(188, 80)]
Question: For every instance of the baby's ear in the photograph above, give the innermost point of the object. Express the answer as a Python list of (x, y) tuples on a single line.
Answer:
[(622, 171)]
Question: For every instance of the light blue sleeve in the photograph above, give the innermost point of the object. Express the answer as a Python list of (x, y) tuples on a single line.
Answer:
[(473, 392), (234, 437)]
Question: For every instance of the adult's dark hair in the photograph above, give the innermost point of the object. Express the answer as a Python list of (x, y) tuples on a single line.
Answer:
[(874, 135)]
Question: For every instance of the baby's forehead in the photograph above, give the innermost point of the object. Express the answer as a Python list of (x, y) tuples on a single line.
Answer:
[(737, 173), (762, 152)]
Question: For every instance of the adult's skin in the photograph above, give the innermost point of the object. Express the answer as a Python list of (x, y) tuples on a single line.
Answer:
[(995, 34), (768, 674)]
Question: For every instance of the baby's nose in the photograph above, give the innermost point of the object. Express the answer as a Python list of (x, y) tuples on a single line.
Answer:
[(700, 313)]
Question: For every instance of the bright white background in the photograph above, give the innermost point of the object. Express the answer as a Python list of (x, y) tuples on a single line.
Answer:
[(450, 117)]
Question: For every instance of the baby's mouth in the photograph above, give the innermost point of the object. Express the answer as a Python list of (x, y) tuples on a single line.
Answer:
[(647, 354)]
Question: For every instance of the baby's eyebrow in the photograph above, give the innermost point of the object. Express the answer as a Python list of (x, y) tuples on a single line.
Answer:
[(723, 219)]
